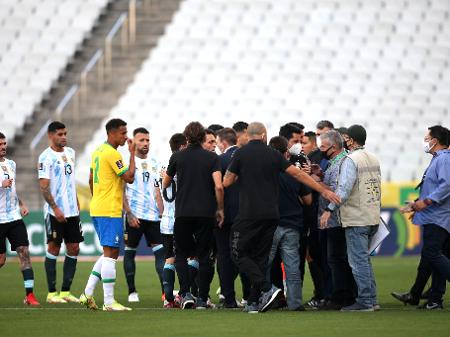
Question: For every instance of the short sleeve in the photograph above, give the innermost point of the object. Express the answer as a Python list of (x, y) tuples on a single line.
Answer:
[(283, 162), (114, 158), (304, 190), (44, 167), (234, 166), (172, 168)]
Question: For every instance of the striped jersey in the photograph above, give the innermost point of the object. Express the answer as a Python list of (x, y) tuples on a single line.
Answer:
[(59, 167), (168, 217), (9, 202), (141, 194)]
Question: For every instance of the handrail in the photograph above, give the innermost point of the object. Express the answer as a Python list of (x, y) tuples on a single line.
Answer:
[(116, 26), (89, 66), (91, 63), (36, 140), (66, 99)]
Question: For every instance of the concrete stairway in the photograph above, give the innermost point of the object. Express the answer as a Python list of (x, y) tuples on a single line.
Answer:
[(152, 16)]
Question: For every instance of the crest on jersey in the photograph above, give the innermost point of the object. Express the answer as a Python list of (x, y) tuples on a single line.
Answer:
[(119, 164), (144, 166)]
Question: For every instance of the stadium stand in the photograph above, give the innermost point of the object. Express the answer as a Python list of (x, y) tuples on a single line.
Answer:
[(383, 64), (38, 39)]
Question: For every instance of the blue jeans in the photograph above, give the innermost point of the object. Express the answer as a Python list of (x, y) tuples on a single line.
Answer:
[(358, 241), (287, 241)]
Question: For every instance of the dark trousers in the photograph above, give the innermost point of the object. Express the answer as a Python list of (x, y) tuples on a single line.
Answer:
[(251, 241), (193, 239), (435, 240), (344, 287), (424, 273), (228, 269)]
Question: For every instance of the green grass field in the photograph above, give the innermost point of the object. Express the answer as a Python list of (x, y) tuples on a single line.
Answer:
[(148, 319)]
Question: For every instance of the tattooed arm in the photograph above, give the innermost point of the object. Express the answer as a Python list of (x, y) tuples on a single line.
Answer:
[(44, 185)]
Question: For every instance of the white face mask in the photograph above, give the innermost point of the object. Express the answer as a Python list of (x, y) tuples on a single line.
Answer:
[(295, 149), (426, 147), (319, 141)]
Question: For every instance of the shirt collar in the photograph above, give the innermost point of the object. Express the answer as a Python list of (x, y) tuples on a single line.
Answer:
[(229, 148)]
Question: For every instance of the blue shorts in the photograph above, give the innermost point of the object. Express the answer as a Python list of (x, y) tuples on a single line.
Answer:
[(109, 230)]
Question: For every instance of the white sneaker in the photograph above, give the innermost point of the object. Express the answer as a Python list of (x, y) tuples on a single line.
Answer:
[(133, 297)]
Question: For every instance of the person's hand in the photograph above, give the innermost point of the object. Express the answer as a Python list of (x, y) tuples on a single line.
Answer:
[(7, 183), (315, 169), (407, 209), (220, 217), (324, 220), (306, 168), (331, 196), (24, 210), (316, 178), (419, 205), (59, 215), (131, 146), (132, 220)]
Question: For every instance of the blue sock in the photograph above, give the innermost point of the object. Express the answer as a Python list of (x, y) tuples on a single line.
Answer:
[(169, 281)]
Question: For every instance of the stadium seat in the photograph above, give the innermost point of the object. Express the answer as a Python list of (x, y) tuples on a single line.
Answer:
[(382, 64), (32, 52)]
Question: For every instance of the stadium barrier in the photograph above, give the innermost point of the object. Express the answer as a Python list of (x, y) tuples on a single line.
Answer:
[(405, 238)]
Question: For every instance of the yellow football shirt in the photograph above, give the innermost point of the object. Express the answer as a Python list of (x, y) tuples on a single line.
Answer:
[(107, 167)]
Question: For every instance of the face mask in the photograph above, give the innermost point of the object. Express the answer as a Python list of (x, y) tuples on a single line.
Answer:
[(295, 149), (325, 153), (426, 147), (319, 141)]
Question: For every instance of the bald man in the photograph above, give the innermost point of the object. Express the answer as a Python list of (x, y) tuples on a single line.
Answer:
[(258, 166)]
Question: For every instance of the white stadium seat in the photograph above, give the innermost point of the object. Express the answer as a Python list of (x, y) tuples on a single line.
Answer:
[(382, 64)]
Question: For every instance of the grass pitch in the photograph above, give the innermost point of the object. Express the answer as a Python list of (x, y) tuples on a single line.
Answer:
[(148, 319)]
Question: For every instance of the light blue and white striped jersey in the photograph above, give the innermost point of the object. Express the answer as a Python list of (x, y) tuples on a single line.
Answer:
[(59, 168), (9, 202), (168, 217), (141, 193)]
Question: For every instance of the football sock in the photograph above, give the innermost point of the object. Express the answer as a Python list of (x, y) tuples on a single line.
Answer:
[(70, 265), (94, 277), (28, 280), (50, 270), (129, 266), (159, 263), (109, 279), (193, 266), (169, 281)]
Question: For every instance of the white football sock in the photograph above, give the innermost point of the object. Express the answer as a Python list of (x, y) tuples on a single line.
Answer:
[(108, 279), (94, 277)]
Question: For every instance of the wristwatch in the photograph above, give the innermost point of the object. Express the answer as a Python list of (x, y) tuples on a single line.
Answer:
[(328, 209)]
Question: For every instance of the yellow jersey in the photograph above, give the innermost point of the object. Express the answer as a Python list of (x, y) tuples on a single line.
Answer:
[(107, 195)]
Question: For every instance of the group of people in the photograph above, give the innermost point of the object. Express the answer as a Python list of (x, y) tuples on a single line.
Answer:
[(232, 200)]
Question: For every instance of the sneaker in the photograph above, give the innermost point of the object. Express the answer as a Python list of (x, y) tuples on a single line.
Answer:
[(187, 301), (300, 308), (232, 305), (315, 303), (251, 308), (170, 305), (31, 300), (405, 298), (280, 302), (357, 307), (178, 300), (431, 306), (210, 304), (134, 297), (54, 298), (242, 303), (376, 307), (115, 306), (267, 298), (200, 304), (88, 301), (68, 297)]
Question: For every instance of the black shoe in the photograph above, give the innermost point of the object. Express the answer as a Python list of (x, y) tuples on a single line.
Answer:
[(315, 303), (232, 305), (430, 306), (331, 306), (406, 298), (279, 303), (300, 308)]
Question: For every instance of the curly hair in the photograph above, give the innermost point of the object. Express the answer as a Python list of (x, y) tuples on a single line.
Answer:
[(195, 133)]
